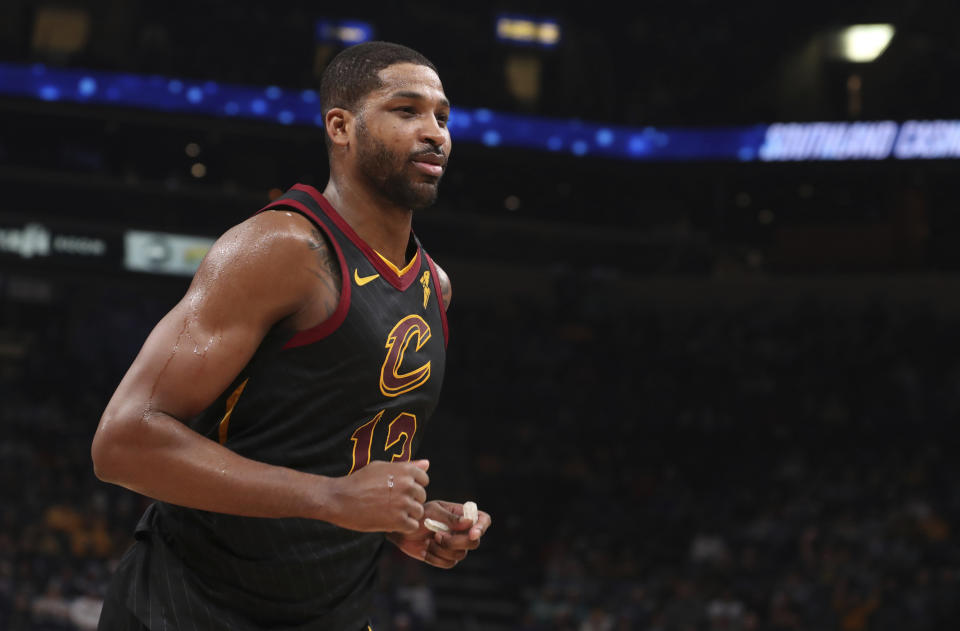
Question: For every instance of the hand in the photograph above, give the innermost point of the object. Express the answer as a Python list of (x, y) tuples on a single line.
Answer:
[(443, 549), (381, 497)]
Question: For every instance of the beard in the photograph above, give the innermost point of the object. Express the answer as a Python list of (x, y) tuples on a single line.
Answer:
[(388, 172)]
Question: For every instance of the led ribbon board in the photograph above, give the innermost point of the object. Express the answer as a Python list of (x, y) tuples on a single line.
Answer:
[(780, 142)]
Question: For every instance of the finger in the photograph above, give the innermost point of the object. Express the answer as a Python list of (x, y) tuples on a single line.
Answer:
[(409, 525), (443, 512), (418, 493), (463, 523), (436, 561), (454, 507), (445, 553), (452, 541), (480, 528), (423, 465), (471, 539), (418, 474), (415, 510)]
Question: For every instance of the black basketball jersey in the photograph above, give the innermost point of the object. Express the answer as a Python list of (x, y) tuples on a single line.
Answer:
[(359, 386)]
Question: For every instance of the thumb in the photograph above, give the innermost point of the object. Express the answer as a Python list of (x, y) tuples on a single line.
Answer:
[(442, 513), (422, 464)]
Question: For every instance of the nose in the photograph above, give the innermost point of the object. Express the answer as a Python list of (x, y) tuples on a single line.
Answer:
[(433, 133)]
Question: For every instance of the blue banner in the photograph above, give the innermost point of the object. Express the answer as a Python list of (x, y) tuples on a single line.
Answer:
[(779, 142)]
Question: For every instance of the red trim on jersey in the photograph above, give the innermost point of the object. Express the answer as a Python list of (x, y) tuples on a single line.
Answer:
[(331, 324), (439, 290), (386, 272)]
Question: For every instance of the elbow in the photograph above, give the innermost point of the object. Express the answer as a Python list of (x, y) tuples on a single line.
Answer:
[(101, 454), (107, 450)]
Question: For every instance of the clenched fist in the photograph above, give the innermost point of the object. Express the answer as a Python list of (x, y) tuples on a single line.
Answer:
[(380, 497)]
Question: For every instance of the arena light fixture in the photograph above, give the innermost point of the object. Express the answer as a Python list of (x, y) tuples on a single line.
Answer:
[(342, 32), (863, 43), (528, 31)]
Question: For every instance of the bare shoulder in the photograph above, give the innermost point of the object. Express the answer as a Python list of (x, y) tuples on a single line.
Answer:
[(446, 290), (271, 261), (265, 233)]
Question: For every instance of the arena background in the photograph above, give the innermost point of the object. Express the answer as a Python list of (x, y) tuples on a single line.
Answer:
[(699, 391)]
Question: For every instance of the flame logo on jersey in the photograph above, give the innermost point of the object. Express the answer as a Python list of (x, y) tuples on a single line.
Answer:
[(425, 281), (392, 382)]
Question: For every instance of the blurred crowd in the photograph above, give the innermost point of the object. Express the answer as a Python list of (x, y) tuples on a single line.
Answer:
[(767, 465), (771, 465)]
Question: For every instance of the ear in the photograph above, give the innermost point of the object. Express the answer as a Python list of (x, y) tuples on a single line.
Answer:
[(339, 122)]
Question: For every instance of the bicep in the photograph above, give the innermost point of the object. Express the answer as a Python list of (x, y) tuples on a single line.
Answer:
[(203, 343), (189, 358)]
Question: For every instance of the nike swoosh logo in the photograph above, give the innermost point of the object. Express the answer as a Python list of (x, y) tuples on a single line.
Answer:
[(362, 281)]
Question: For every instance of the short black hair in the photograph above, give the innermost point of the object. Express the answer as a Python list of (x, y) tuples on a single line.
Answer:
[(353, 73)]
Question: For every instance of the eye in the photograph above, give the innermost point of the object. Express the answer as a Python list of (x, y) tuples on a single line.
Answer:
[(407, 110), (443, 119)]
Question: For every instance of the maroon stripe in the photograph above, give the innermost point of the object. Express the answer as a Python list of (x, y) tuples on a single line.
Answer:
[(439, 290), (331, 324), (399, 282)]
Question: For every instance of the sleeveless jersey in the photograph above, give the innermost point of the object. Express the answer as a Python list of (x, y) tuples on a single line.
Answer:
[(359, 386)]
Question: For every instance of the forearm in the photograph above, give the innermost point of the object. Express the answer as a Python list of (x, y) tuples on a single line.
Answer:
[(160, 457)]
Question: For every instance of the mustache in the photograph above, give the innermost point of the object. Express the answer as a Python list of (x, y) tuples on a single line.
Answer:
[(438, 152)]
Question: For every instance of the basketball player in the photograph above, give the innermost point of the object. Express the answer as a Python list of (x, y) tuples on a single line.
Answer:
[(273, 413)]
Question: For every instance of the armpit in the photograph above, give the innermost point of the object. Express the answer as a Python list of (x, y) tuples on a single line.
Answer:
[(326, 267)]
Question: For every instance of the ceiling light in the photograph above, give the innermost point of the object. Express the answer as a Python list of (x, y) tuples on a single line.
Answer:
[(863, 43)]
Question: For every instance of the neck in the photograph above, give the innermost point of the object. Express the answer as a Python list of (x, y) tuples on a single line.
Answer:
[(383, 226)]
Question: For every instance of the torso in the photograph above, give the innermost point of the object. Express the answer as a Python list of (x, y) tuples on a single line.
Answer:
[(360, 385)]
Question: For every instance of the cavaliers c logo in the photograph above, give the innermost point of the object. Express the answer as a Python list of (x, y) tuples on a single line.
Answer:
[(392, 383)]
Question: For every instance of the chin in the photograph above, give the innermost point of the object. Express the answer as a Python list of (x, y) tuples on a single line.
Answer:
[(423, 196), (423, 204), (412, 194)]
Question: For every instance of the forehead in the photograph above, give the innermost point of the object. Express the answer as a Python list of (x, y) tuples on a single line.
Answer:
[(407, 77)]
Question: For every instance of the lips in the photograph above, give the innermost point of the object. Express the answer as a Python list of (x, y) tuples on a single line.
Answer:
[(429, 168), (430, 163)]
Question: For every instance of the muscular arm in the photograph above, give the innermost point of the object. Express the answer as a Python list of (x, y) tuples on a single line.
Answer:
[(272, 268)]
